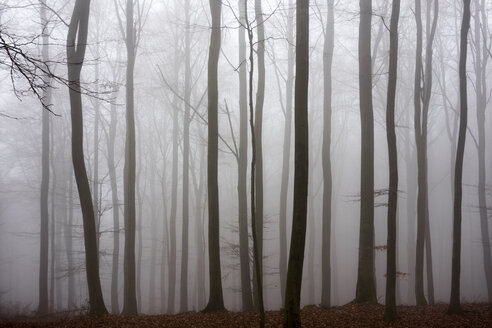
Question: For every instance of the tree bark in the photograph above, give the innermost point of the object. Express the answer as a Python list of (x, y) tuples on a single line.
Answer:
[(284, 186), (366, 286), (390, 307), (246, 293), (292, 316), (76, 46), (454, 302), (326, 159), (45, 177), (129, 286), (186, 164), (216, 300)]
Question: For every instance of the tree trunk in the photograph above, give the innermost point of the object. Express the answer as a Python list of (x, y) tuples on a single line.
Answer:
[(116, 212), (258, 128), (292, 316), (326, 159), (481, 58), (69, 246), (284, 186), (186, 164), (390, 307), (174, 203), (216, 300), (129, 287), (454, 303), (366, 286), (76, 46), (246, 294), (52, 226), (95, 177), (45, 177)]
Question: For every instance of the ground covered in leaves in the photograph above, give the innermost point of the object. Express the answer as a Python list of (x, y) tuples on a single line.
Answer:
[(350, 315)]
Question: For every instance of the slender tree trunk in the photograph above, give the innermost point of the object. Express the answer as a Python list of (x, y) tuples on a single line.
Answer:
[(76, 46), (69, 245), (216, 300), (200, 240), (326, 159), (419, 253), (186, 164), (246, 293), (52, 226), (390, 308), (366, 286), (174, 203), (116, 211), (284, 186), (292, 316), (129, 287), (45, 177), (165, 237), (95, 177), (454, 303), (481, 58), (258, 128)]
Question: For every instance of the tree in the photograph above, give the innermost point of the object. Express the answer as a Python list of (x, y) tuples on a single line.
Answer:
[(366, 286), (246, 294), (390, 308), (258, 130), (45, 177), (186, 163), (423, 76), (292, 316), (454, 302), (326, 157), (216, 300), (76, 46), (284, 186), (481, 56)]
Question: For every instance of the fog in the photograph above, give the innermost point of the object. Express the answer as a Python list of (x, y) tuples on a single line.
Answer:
[(160, 97)]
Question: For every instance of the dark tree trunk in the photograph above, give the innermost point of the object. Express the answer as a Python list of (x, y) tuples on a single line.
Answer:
[(45, 177), (69, 245), (246, 293), (366, 285), (76, 46), (129, 285), (284, 186), (292, 316), (186, 164), (216, 300), (454, 302), (390, 308), (258, 129), (327, 178), (52, 226)]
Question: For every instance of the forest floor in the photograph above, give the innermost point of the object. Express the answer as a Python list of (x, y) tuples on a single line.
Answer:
[(349, 315)]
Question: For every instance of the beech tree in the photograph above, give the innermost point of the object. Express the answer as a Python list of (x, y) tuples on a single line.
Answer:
[(76, 46), (454, 302), (292, 315)]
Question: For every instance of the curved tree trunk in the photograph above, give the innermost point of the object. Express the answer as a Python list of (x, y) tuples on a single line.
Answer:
[(76, 45), (454, 302)]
